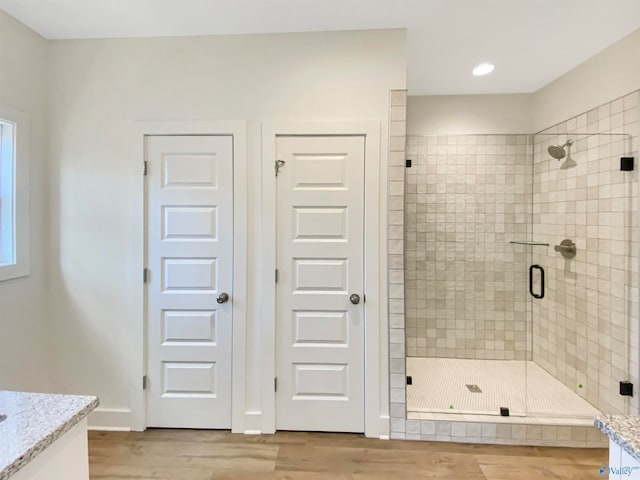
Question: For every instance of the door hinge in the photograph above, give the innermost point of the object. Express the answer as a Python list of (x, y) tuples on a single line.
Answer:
[(275, 384), (145, 382), (276, 275), (364, 298), (145, 167), (146, 275)]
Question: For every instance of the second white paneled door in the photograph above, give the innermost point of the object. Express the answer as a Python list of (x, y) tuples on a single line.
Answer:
[(320, 284), (189, 216)]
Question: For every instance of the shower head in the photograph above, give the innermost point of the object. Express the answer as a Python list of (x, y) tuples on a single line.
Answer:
[(556, 151), (561, 151), (568, 163)]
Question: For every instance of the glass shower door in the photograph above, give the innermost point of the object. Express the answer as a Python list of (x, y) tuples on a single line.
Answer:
[(518, 254), (585, 208), (466, 197)]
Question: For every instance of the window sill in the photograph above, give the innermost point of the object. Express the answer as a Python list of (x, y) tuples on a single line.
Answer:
[(11, 272)]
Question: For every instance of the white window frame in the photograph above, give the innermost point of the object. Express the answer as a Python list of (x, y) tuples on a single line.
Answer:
[(14, 185)]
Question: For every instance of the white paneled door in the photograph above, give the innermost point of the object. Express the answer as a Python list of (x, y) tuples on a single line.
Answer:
[(320, 284), (189, 216)]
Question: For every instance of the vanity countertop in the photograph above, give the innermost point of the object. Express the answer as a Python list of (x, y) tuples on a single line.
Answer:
[(33, 422), (623, 430)]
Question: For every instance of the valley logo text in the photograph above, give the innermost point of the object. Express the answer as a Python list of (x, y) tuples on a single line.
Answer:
[(618, 472)]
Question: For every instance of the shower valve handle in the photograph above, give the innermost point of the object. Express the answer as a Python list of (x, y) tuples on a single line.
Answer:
[(567, 248)]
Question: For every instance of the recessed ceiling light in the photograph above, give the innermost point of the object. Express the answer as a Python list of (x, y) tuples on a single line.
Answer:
[(483, 69)]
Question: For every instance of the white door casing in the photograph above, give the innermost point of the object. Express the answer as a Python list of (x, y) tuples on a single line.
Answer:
[(320, 261), (190, 257)]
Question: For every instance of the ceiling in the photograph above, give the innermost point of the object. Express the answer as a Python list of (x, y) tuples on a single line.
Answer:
[(531, 42)]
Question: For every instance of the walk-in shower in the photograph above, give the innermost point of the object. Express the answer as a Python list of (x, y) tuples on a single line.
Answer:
[(482, 216)]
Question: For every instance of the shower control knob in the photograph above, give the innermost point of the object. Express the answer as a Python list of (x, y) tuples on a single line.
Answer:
[(223, 298), (566, 248), (355, 298)]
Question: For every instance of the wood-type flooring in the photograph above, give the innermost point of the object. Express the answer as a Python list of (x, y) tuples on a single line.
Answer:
[(206, 454)]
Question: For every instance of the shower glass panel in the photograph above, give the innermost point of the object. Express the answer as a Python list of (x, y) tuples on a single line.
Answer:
[(488, 218), (466, 285), (580, 330)]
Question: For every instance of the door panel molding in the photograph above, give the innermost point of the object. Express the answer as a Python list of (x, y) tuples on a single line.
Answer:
[(189, 383), (238, 130), (319, 275), (376, 349)]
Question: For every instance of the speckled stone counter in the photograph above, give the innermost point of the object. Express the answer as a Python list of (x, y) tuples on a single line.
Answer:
[(34, 421), (623, 430)]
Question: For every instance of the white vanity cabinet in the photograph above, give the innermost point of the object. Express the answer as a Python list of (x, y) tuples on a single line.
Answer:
[(621, 464), (624, 446), (44, 437)]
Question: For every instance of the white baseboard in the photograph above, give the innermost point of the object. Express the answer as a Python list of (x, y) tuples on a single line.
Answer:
[(252, 423), (117, 419), (385, 427), (110, 419)]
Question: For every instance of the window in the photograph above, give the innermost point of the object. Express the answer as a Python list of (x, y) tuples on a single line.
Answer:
[(7, 193), (14, 194)]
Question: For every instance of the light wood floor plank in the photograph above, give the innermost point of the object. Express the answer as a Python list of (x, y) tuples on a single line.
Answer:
[(205, 455)]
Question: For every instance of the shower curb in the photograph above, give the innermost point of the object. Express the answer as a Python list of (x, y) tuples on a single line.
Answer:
[(500, 433)]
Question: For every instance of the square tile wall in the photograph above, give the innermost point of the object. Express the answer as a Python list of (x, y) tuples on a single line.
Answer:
[(585, 332), (467, 197), (549, 342), (395, 260)]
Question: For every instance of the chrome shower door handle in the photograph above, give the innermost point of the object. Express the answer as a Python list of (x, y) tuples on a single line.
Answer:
[(354, 298), (223, 298), (531, 269)]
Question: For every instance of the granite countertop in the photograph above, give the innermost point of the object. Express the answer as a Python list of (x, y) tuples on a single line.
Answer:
[(623, 430), (34, 421)]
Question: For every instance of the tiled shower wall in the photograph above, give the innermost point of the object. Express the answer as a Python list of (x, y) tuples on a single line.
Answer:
[(395, 206), (467, 197), (462, 430), (585, 332)]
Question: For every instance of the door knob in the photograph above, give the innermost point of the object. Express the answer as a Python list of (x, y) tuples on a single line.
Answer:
[(355, 298), (222, 298)]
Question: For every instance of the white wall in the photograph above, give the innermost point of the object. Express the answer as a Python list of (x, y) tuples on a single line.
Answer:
[(24, 357), (100, 88), (612, 73), (469, 114)]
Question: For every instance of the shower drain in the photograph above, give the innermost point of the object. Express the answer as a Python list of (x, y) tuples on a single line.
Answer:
[(473, 388)]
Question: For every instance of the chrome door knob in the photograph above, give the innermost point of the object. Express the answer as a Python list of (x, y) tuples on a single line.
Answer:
[(223, 298), (355, 299)]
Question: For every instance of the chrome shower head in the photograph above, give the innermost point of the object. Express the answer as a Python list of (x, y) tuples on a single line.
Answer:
[(556, 151), (561, 151)]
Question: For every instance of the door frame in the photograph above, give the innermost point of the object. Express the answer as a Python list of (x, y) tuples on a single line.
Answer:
[(375, 362), (238, 131)]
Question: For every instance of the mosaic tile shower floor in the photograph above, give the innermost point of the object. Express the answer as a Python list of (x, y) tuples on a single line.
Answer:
[(440, 386)]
